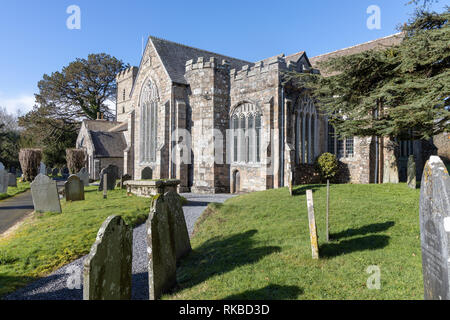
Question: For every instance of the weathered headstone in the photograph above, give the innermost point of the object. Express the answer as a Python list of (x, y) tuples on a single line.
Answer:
[(4, 178), (105, 186), (435, 229), (390, 172), (412, 183), (160, 249), (108, 267), (125, 177), (84, 176), (12, 180), (42, 168), (312, 225), (45, 194), (147, 173), (112, 177), (177, 222), (74, 189)]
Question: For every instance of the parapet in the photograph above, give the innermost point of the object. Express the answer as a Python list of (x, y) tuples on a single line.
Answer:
[(260, 67), (131, 71), (202, 63)]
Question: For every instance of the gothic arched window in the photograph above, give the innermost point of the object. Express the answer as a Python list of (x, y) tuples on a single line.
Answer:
[(306, 130), (149, 116), (246, 127)]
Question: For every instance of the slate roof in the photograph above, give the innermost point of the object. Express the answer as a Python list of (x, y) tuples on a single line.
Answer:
[(381, 43), (100, 125), (175, 55), (108, 144)]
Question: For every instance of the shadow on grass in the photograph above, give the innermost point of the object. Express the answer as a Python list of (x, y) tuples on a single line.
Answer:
[(271, 292), (371, 228), (330, 250), (301, 190), (218, 256)]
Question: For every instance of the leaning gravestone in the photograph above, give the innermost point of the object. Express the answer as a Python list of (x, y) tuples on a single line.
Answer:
[(45, 194), (412, 183), (84, 176), (12, 181), (177, 222), (160, 249), (435, 229), (312, 225), (110, 171), (147, 173), (74, 189), (390, 172), (3, 179), (107, 268)]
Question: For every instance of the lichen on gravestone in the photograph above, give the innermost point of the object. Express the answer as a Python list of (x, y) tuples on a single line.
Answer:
[(108, 267)]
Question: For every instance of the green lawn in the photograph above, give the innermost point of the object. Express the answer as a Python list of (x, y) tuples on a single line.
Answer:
[(49, 241), (257, 246), (12, 191)]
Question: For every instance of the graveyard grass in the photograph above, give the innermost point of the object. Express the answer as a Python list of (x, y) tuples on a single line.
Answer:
[(257, 246), (49, 241), (13, 191)]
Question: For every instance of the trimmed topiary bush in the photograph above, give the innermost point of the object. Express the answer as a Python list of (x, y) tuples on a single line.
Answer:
[(76, 159), (327, 166), (30, 160)]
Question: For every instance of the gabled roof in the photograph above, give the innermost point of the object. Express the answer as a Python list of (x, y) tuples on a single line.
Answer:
[(381, 43), (175, 55), (108, 144)]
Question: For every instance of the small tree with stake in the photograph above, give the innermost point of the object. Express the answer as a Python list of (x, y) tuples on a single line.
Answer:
[(327, 166)]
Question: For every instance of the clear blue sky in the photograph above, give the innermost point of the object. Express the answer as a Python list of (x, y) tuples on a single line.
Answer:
[(35, 40)]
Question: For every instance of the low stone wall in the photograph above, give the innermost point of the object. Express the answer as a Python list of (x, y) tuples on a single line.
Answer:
[(150, 188)]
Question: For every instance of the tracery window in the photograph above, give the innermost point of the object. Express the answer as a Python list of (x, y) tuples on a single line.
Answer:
[(306, 130), (246, 134), (149, 116)]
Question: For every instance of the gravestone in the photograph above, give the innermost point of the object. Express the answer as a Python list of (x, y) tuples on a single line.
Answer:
[(390, 172), (42, 168), (147, 173), (125, 177), (177, 222), (12, 180), (84, 176), (110, 171), (48, 171), (412, 183), (55, 172), (312, 225), (435, 229), (45, 194), (74, 189), (4, 179), (160, 249), (65, 172), (108, 267)]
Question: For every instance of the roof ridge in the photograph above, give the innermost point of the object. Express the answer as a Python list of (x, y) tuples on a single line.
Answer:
[(358, 45), (190, 47)]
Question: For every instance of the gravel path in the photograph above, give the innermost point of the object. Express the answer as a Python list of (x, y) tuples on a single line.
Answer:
[(55, 286)]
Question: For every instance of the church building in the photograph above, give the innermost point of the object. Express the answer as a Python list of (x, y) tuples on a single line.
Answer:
[(221, 124)]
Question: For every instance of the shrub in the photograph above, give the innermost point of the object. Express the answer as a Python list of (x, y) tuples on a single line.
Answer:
[(327, 165), (30, 160), (76, 159)]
